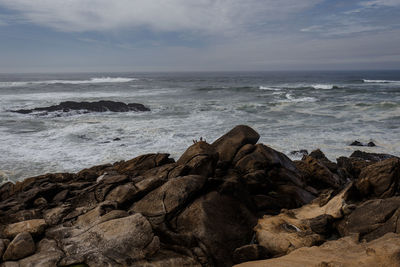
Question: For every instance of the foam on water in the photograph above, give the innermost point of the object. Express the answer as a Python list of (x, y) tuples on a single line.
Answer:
[(379, 81), (324, 86), (291, 98), (269, 88), (50, 82)]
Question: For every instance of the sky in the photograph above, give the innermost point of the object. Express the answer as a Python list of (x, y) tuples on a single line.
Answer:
[(198, 35)]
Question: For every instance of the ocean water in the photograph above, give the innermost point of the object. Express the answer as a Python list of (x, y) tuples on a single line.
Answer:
[(290, 110)]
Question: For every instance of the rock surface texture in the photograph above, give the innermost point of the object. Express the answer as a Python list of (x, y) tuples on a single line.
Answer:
[(230, 202)]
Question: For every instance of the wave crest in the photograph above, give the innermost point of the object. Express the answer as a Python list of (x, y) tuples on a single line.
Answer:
[(91, 80), (379, 81)]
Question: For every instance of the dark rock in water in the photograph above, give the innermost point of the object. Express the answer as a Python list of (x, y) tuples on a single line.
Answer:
[(299, 153), (356, 143), (371, 144), (117, 139), (370, 156), (98, 106)]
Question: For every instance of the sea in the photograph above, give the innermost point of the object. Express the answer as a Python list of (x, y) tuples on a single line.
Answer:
[(290, 110)]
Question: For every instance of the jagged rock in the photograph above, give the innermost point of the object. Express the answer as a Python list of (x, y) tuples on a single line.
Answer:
[(370, 156), (346, 251), (302, 227), (201, 158), (122, 194), (170, 196), (3, 245), (373, 219), (350, 168), (47, 255), (34, 227), (320, 156), (219, 223), (230, 143), (141, 164), (381, 179), (317, 175), (54, 216), (20, 247), (98, 106), (117, 242)]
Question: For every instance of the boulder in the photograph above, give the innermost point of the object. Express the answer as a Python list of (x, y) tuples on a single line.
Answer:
[(350, 168), (381, 179), (372, 219), (219, 224), (3, 245), (250, 253), (97, 106), (346, 251), (230, 143), (370, 156), (35, 227), (20, 247), (118, 241), (169, 197), (47, 255), (201, 158), (317, 175)]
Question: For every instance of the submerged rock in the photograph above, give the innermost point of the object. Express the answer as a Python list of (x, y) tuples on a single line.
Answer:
[(98, 106)]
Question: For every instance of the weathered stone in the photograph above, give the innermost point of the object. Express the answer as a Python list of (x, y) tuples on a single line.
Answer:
[(170, 196), (219, 223), (20, 247), (122, 240), (34, 227), (346, 251), (54, 216), (351, 168), (372, 219), (250, 253), (122, 194), (141, 164), (381, 179), (375, 157), (316, 174), (320, 156), (47, 255), (3, 245), (229, 144)]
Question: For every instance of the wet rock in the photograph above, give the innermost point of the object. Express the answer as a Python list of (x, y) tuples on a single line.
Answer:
[(34, 227), (381, 179), (299, 153), (98, 106), (20, 247), (346, 251), (350, 168), (371, 144), (356, 143), (231, 142), (320, 156)]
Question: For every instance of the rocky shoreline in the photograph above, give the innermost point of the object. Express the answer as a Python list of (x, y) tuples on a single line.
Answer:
[(230, 202)]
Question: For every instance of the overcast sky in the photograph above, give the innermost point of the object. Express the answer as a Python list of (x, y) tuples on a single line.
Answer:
[(198, 35)]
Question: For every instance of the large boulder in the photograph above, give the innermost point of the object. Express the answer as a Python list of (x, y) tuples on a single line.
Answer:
[(47, 255), (35, 227), (230, 143), (381, 179), (169, 197), (346, 251), (219, 223), (20, 247)]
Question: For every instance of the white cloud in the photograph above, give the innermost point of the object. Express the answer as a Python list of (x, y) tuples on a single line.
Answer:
[(379, 3), (207, 16)]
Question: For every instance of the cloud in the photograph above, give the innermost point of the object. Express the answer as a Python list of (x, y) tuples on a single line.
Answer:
[(204, 16), (381, 3)]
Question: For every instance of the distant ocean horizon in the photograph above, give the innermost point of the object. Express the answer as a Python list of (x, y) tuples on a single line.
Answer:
[(291, 110)]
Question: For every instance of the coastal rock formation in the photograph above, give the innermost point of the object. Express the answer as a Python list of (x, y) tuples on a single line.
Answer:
[(219, 204), (98, 106)]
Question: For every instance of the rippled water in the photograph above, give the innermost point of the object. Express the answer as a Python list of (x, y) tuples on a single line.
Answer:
[(290, 110)]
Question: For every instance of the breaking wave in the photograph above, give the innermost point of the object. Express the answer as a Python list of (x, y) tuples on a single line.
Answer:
[(91, 80)]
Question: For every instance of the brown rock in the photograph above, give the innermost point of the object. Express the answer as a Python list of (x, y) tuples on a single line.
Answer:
[(122, 194), (346, 251), (250, 253), (170, 196), (230, 143), (47, 255), (3, 245), (351, 167), (34, 227), (20, 247), (381, 179), (219, 223)]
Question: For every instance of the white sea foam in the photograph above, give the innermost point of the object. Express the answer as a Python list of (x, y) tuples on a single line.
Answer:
[(291, 98), (323, 86), (269, 88), (91, 80), (379, 81)]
